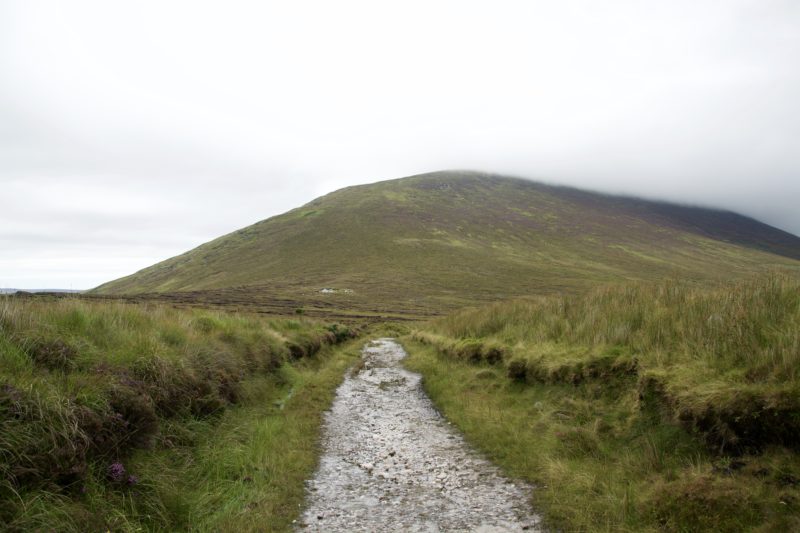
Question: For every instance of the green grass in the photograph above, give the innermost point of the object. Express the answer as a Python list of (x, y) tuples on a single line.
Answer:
[(215, 415), (250, 474), (599, 465), (242, 472), (723, 357), (634, 408), (422, 245)]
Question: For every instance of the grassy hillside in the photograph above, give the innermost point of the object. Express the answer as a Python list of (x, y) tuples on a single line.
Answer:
[(444, 239), (634, 408), (129, 417)]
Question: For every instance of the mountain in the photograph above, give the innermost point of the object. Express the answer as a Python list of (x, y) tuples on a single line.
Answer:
[(449, 238)]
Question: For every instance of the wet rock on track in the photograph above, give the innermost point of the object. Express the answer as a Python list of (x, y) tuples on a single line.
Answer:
[(392, 463)]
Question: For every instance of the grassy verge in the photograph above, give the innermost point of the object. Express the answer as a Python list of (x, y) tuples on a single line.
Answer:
[(142, 417), (643, 408), (601, 466), (249, 473)]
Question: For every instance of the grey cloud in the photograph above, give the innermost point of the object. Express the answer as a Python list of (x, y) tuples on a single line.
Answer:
[(136, 132)]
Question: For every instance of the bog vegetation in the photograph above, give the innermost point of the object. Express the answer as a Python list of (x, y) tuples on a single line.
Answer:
[(116, 416), (635, 407)]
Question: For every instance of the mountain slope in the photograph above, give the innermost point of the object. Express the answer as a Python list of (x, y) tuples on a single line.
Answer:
[(447, 238)]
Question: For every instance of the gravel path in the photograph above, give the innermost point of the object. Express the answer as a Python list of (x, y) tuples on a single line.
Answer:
[(392, 463)]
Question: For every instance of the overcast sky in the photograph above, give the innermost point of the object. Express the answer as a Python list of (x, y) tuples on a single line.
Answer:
[(133, 131)]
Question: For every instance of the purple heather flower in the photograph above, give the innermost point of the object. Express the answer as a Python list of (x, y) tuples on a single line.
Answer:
[(133, 480), (116, 472)]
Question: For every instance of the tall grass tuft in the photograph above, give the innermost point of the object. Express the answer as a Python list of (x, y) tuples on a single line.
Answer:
[(85, 384), (641, 407), (723, 361), (749, 326)]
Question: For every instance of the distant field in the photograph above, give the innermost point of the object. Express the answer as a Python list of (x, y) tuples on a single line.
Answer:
[(641, 407), (288, 300), (12, 291), (267, 301)]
